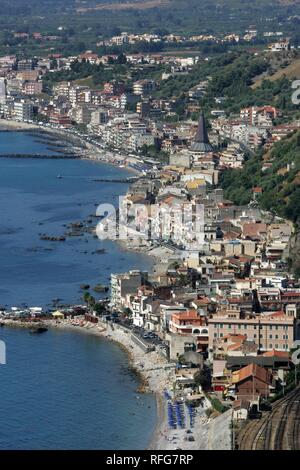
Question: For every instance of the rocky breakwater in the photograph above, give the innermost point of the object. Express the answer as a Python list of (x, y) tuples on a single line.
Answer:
[(74, 229), (34, 326), (51, 238), (62, 155)]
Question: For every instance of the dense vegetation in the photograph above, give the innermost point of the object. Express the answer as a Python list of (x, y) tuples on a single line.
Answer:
[(97, 74), (230, 77), (280, 182), (82, 30)]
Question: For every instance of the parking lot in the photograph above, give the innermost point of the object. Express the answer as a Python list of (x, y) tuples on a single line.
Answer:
[(147, 336)]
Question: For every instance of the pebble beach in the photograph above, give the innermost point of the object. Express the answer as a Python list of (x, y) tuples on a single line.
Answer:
[(156, 375)]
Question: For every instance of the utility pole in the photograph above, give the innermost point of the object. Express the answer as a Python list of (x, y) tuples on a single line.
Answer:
[(232, 425)]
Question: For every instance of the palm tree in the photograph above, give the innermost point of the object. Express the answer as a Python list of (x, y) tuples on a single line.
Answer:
[(89, 300)]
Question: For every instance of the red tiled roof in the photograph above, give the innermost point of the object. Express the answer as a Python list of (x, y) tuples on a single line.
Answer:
[(202, 301), (253, 370), (236, 338), (189, 315), (254, 229), (290, 294), (274, 352), (279, 313)]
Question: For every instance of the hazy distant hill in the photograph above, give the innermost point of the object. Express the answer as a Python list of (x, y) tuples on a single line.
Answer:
[(83, 22), (185, 14)]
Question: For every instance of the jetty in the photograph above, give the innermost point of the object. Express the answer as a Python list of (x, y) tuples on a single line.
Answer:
[(52, 238), (129, 179), (41, 156)]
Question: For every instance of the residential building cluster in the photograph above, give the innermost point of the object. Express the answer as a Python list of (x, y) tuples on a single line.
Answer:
[(227, 302)]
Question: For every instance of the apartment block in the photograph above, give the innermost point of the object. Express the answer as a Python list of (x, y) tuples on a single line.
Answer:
[(271, 330), (124, 284), (23, 110)]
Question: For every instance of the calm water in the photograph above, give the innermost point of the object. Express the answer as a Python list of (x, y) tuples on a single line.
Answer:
[(34, 201), (19, 142), (61, 390)]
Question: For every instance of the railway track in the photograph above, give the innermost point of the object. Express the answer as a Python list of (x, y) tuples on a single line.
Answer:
[(276, 430)]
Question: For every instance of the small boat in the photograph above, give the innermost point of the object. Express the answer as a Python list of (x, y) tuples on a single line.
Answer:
[(59, 176), (39, 330)]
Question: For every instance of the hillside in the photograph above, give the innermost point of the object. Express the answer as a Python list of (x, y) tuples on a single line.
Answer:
[(280, 184), (134, 5), (80, 24), (290, 71)]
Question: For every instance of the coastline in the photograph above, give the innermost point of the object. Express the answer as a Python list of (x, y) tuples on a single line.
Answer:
[(160, 255), (149, 368), (155, 375), (89, 151), (153, 371)]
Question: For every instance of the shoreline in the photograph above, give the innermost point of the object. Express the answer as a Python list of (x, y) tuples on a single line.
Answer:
[(106, 156), (158, 255), (155, 375), (151, 379)]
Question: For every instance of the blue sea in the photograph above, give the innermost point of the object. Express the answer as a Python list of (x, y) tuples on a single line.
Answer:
[(61, 390), (34, 201)]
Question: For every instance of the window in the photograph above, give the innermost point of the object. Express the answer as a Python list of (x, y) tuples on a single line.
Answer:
[(245, 327), (239, 327), (276, 336), (229, 326), (260, 336), (254, 327), (276, 346), (271, 346), (254, 336), (276, 327), (270, 327), (215, 335), (221, 335), (270, 336)]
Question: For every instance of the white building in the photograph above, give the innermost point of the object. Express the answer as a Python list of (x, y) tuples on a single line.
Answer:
[(2, 91), (23, 110)]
